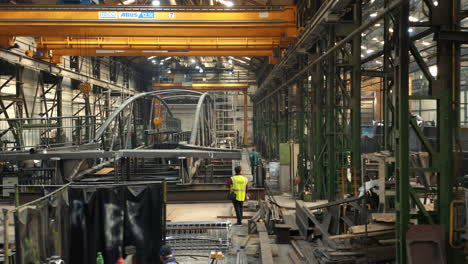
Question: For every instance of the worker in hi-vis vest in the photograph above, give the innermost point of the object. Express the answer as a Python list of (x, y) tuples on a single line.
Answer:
[(238, 184)]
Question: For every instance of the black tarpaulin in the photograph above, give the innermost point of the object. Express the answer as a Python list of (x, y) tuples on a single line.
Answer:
[(76, 223), (109, 219)]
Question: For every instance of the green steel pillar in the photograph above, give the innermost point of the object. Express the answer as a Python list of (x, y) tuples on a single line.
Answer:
[(402, 135), (331, 120), (318, 131), (302, 115), (446, 88), (356, 98)]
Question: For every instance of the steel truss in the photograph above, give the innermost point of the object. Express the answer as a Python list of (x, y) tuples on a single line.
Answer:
[(330, 88)]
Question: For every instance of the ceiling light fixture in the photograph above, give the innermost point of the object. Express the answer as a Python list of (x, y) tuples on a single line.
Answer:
[(156, 3), (230, 61), (413, 19), (192, 60), (373, 14), (127, 2), (433, 70), (425, 43), (228, 3)]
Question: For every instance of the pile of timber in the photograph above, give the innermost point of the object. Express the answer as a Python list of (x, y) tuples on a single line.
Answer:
[(338, 238)]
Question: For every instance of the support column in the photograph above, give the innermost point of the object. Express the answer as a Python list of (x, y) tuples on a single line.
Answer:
[(246, 118), (402, 137), (331, 122), (355, 61)]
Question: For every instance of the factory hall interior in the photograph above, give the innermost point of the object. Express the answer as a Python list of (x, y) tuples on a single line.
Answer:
[(233, 131)]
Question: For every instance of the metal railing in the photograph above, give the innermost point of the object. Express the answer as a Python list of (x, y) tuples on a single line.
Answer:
[(39, 133)]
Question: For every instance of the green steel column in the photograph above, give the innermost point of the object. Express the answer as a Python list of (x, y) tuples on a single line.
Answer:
[(446, 88), (386, 82), (318, 130), (331, 122), (356, 98), (302, 165), (402, 137)]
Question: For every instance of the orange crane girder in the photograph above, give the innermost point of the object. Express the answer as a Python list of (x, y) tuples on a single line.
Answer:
[(162, 43), (203, 87), (154, 52), (70, 20)]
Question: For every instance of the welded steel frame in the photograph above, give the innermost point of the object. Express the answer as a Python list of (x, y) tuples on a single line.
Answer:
[(444, 89), (444, 23), (337, 100), (14, 73)]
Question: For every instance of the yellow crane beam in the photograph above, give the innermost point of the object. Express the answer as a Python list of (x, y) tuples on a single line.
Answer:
[(162, 43), (144, 52), (203, 87), (125, 21)]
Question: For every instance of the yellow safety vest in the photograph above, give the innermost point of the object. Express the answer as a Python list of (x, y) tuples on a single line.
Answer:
[(239, 184)]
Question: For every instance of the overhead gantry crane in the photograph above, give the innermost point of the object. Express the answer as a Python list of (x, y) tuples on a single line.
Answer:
[(102, 30)]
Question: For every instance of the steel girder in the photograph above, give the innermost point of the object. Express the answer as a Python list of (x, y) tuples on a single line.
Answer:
[(334, 68), (13, 73)]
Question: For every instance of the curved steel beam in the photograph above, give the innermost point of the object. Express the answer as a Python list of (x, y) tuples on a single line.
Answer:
[(196, 120), (125, 104)]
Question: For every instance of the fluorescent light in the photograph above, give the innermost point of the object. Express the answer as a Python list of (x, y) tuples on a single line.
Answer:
[(373, 14), (156, 3), (153, 61), (192, 60), (369, 51), (413, 19), (377, 25), (152, 57), (378, 62), (425, 43), (197, 67), (230, 61), (247, 58), (228, 3), (127, 2), (161, 62), (375, 39), (201, 70), (433, 70), (154, 51)]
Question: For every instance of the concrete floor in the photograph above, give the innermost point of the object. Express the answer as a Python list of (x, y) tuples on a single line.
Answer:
[(211, 211)]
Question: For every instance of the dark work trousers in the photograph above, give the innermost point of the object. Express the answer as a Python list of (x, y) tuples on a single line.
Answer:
[(239, 207)]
